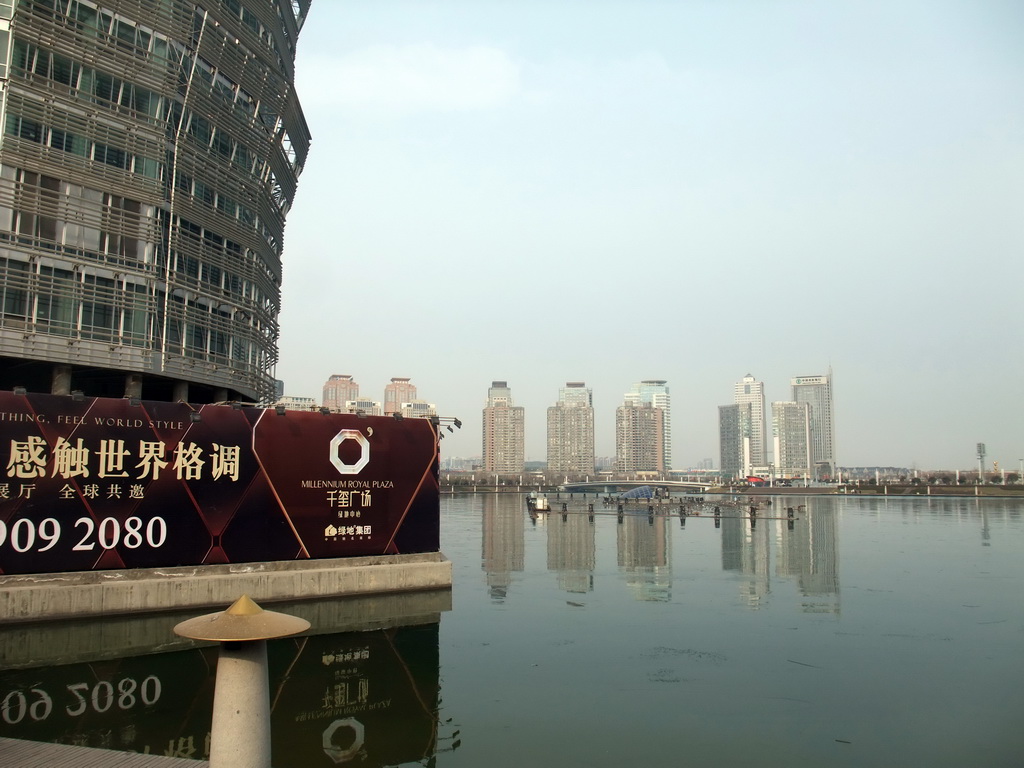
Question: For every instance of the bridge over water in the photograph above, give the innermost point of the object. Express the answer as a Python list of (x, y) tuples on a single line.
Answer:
[(617, 486)]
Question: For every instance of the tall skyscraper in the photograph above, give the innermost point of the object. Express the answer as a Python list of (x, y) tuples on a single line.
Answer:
[(504, 431), (399, 391), (750, 390), (734, 430), (150, 153), (654, 392), (639, 438), (339, 389), (791, 435), (816, 391), (571, 430)]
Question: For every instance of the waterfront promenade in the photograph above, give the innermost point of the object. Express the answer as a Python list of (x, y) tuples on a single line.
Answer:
[(866, 489)]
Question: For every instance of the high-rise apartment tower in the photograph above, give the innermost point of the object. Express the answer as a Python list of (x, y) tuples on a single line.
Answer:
[(639, 438), (504, 431), (750, 390), (571, 430), (149, 155), (734, 439), (338, 390), (654, 392), (791, 435), (398, 391)]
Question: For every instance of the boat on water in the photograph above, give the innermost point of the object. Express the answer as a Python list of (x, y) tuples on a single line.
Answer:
[(536, 503)]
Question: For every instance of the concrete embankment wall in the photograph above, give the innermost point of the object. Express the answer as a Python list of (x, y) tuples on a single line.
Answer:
[(53, 596)]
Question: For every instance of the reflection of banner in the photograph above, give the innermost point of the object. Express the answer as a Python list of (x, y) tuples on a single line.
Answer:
[(368, 697), (100, 483)]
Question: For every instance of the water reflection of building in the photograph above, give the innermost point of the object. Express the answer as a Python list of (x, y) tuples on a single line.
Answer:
[(809, 553), (572, 552), (369, 697), (504, 544), (746, 549), (645, 555)]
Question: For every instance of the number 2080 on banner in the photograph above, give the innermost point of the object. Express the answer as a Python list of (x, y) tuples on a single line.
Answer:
[(25, 535)]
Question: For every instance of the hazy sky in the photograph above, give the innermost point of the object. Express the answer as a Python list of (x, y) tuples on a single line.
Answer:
[(614, 190)]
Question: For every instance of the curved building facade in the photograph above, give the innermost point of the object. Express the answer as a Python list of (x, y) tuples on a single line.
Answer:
[(149, 154)]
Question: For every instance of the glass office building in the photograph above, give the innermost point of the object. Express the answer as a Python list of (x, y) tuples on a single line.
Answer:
[(149, 156), (816, 391)]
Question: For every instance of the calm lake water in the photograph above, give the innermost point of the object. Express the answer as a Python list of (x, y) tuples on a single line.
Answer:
[(865, 632), (876, 631)]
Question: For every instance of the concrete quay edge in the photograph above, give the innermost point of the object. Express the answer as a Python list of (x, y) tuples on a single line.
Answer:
[(57, 596), (97, 638)]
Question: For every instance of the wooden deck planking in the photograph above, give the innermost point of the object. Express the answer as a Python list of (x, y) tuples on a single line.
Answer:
[(34, 754)]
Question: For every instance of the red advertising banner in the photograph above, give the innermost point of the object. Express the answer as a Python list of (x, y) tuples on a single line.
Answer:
[(101, 483)]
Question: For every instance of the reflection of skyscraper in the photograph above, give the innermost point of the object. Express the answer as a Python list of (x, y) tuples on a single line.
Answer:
[(504, 427), (805, 547), (810, 552), (751, 391), (398, 391), (654, 392), (734, 439), (816, 391), (571, 431), (746, 549), (504, 545), (571, 551), (645, 555), (338, 390)]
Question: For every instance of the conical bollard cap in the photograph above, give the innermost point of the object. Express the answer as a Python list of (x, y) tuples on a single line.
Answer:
[(243, 621)]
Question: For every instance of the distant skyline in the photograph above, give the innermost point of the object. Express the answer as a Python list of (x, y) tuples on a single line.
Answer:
[(612, 191)]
